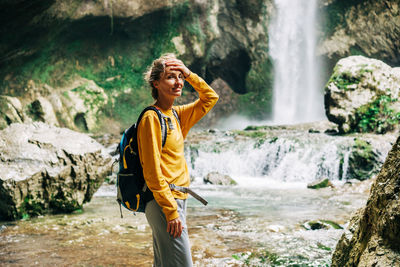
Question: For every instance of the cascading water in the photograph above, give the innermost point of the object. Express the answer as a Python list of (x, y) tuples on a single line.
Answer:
[(292, 42), (282, 157)]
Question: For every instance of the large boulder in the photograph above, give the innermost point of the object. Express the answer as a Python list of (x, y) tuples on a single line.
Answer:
[(373, 235), (45, 168), (363, 95)]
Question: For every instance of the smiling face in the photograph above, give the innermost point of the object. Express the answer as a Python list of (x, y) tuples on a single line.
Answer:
[(170, 84)]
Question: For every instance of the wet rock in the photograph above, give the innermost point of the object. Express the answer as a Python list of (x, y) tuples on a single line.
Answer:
[(362, 95), (321, 224), (320, 184), (218, 179), (45, 168), (373, 235)]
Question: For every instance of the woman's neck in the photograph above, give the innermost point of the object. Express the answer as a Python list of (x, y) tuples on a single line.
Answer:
[(165, 104)]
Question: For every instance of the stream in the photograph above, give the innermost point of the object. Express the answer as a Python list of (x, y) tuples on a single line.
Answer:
[(261, 221)]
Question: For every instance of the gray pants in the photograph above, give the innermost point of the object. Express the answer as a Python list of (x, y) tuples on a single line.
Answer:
[(168, 251)]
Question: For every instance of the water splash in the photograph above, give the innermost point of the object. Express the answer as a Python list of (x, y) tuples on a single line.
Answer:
[(292, 41)]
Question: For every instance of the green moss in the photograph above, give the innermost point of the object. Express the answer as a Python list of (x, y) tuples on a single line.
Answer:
[(377, 116), (321, 184), (251, 134), (343, 79), (332, 224), (323, 247), (30, 208), (195, 27), (257, 103), (63, 202)]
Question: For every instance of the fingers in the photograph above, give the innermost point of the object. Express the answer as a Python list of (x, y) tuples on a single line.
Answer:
[(176, 64), (175, 227)]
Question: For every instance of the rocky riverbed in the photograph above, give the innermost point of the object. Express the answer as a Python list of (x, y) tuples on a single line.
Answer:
[(240, 224)]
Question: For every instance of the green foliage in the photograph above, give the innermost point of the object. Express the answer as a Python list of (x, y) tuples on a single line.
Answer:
[(30, 207), (343, 80), (377, 116)]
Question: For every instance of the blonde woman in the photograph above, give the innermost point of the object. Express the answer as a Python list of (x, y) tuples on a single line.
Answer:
[(165, 165)]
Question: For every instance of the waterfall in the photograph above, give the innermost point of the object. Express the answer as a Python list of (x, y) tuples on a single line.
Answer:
[(292, 41)]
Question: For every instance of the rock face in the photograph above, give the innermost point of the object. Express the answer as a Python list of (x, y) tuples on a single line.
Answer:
[(369, 27), (111, 43), (10, 111), (363, 95), (373, 236), (77, 106), (45, 168)]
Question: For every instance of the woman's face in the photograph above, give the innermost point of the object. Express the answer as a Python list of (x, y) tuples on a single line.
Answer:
[(170, 84)]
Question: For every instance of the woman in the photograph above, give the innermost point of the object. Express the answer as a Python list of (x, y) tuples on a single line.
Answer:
[(164, 165)]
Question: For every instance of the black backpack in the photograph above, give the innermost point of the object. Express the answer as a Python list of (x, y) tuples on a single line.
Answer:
[(132, 191)]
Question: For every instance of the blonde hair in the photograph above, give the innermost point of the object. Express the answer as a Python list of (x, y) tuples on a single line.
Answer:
[(155, 71)]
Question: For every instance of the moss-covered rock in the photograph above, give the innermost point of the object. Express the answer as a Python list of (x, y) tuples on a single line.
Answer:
[(321, 224), (320, 184), (364, 161), (363, 95)]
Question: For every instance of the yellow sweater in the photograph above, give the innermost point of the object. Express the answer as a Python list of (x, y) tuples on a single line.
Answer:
[(167, 165)]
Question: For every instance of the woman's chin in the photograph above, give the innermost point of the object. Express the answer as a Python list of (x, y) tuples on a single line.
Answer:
[(177, 93)]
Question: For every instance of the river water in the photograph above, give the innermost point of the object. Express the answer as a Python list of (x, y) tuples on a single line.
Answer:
[(262, 221)]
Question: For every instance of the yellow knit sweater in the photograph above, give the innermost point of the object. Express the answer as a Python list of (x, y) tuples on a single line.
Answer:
[(167, 165)]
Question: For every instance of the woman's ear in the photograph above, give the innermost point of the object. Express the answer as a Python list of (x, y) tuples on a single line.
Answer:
[(155, 84)]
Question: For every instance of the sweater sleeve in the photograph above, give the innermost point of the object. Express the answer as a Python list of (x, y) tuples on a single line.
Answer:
[(149, 146), (191, 113)]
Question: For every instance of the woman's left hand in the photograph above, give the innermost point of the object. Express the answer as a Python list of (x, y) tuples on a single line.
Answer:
[(176, 64)]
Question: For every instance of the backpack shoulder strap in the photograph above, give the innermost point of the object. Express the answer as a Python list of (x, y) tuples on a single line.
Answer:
[(176, 116), (161, 118)]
